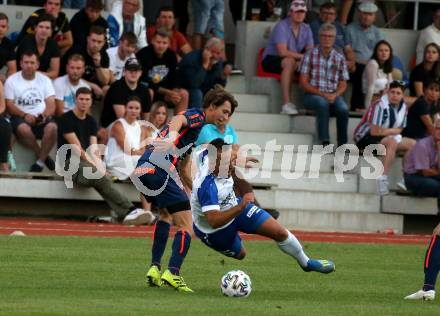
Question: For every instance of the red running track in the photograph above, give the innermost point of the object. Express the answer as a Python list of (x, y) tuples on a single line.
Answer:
[(55, 227)]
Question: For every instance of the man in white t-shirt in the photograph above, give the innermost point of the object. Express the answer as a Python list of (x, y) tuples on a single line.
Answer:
[(118, 55), (30, 101), (66, 86)]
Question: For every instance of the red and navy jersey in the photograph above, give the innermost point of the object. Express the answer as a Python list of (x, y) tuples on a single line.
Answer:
[(187, 135)]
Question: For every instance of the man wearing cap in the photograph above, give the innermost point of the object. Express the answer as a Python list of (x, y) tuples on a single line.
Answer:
[(363, 36), (120, 91), (289, 40)]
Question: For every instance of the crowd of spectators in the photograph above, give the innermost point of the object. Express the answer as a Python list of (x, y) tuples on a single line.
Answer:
[(156, 66), (57, 73)]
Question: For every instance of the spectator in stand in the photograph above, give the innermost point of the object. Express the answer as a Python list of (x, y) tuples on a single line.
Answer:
[(7, 52), (96, 59), (288, 42), (420, 114), (363, 36), (122, 89), (84, 19), (178, 42), (327, 14), (124, 18), (30, 101), (428, 69), (422, 166), (208, 18), (158, 117), (430, 34), (159, 67), (60, 29), (383, 124), (323, 77), (431, 263), (126, 144), (78, 128), (118, 55), (45, 47), (200, 70), (379, 66), (5, 133), (66, 86)]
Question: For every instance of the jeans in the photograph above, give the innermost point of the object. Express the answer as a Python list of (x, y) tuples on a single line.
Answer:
[(195, 98), (74, 4), (208, 13), (424, 186), (323, 110)]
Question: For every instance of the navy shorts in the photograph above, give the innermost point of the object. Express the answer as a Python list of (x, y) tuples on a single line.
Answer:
[(38, 130), (227, 240), (172, 197)]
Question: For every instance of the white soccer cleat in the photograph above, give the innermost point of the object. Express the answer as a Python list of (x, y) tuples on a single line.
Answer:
[(289, 108), (422, 295), (138, 217)]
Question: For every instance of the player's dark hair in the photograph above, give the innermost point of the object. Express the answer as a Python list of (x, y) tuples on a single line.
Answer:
[(217, 97), (218, 143), (83, 90), (3, 16)]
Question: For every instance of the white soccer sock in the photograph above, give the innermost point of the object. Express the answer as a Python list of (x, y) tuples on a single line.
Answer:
[(293, 248)]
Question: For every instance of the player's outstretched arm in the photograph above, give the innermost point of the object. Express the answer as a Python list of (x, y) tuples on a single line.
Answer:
[(218, 219)]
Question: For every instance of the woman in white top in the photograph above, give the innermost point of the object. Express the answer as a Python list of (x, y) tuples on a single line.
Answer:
[(127, 144), (379, 66)]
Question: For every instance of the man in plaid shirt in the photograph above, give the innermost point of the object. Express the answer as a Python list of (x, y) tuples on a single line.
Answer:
[(323, 76)]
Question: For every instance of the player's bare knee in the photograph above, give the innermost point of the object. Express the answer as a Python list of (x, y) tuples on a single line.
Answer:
[(280, 234)]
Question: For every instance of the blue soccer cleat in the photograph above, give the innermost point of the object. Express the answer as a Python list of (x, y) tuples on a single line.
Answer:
[(322, 266)]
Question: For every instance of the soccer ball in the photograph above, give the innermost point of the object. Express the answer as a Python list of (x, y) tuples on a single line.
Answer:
[(236, 283)]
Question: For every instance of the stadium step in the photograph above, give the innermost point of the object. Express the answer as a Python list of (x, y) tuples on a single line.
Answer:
[(323, 182), (409, 205), (236, 84), (320, 201), (258, 103), (340, 221), (261, 122), (262, 139)]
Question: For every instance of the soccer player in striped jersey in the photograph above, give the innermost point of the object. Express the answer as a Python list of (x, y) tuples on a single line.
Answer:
[(157, 177), (431, 266), (218, 215)]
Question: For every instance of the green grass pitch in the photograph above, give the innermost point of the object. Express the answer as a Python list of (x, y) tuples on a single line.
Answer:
[(105, 276)]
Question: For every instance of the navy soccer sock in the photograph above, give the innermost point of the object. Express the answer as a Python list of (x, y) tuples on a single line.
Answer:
[(160, 238), (181, 243), (432, 263)]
